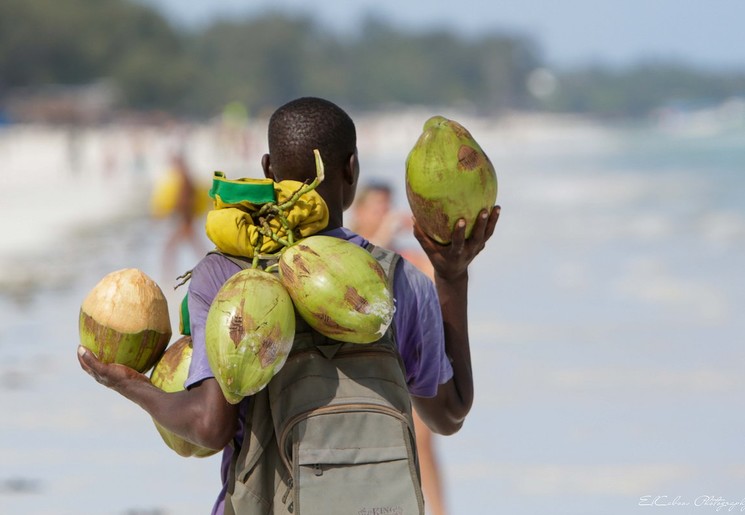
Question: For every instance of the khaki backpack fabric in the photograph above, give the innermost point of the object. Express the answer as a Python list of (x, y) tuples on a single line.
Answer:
[(332, 433)]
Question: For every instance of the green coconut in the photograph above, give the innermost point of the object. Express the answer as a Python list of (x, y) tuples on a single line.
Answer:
[(124, 319), (249, 333), (448, 177), (169, 375), (338, 288)]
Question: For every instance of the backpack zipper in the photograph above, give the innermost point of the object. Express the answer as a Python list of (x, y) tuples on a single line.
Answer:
[(326, 410)]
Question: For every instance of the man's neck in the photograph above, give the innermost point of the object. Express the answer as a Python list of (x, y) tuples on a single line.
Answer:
[(334, 222)]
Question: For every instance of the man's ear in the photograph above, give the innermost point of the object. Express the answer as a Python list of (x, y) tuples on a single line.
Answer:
[(351, 170), (266, 165)]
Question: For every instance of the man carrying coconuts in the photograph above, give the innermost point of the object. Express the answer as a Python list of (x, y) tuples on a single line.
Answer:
[(430, 328)]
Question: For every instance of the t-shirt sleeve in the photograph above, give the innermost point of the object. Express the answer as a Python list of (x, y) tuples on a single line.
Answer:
[(419, 331), (206, 279)]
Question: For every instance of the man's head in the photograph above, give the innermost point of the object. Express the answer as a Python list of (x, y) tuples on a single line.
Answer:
[(308, 123), (304, 124), (376, 188)]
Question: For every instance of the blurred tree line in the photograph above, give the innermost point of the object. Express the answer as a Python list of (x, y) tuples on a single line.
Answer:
[(264, 61)]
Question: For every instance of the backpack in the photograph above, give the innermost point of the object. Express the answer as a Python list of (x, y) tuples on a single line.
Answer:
[(332, 433)]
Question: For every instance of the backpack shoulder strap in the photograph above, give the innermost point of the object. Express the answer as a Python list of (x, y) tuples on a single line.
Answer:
[(243, 262), (387, 259)]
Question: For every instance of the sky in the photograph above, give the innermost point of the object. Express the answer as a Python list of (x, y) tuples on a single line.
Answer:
[(707, 33)]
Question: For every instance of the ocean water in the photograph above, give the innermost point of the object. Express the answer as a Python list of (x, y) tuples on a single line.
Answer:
[(606, 335)]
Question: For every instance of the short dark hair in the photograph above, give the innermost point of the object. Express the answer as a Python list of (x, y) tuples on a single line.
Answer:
[(304, 124)]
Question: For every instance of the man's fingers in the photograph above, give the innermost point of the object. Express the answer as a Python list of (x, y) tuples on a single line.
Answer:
[(89, 362), (491, 222), (424, 241), (459, 236), (86, 357), (83, 358), (479, 226)]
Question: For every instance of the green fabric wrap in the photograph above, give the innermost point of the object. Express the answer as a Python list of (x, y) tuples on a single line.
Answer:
[(254, 191), (185, 321)]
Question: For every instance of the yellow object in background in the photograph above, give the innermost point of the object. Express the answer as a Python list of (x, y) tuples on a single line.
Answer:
[(165, 195)]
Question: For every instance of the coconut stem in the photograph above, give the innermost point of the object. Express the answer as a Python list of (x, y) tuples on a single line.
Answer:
[(266, 230), (182, 279), (260, 242)]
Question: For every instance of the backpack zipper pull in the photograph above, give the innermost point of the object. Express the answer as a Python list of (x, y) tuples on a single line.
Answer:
[(287, 493), (318, 469)]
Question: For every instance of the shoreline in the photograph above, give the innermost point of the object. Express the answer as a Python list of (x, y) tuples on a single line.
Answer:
[(60, 186)]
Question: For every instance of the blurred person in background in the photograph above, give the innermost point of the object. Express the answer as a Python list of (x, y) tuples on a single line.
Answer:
[(176, 197), (374, 219)]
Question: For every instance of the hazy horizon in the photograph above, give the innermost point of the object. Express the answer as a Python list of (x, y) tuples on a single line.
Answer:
[(570, 33)]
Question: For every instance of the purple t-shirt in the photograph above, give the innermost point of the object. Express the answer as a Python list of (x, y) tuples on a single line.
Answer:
[(419, 331)]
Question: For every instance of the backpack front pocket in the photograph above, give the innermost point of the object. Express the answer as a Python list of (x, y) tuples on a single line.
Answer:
[(354, 460)]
